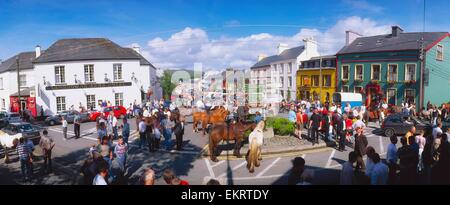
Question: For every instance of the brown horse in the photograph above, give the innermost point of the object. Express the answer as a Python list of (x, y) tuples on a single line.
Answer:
[(234, 132), (217, 115)]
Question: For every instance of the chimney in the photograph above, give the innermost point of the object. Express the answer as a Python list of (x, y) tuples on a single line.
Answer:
[(396, 30), (38, 51), (310, 47), (282, 47), (261, 56), (350, 36), (137, 49)]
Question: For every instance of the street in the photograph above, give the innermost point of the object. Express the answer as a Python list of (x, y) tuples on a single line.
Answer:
[(189, 164)]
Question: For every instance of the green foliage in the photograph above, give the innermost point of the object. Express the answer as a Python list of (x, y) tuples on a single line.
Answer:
[(281, 126), (167, 85)]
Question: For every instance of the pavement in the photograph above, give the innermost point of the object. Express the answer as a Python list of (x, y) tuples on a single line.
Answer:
[(189, 164)]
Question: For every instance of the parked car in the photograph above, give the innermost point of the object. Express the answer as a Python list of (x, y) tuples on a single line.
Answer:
[(18, 130), (399, 124), (3, 120), (119, 112), (68, 115)]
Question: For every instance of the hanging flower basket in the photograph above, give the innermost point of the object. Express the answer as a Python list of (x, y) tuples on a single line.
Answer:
[(392, 82), (410, 82), (374, 82), (358, 81), (344, 82)]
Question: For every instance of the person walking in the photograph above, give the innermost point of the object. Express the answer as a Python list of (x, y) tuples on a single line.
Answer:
[(25, 159), (314, 125), (142, 130), (380, 171), (348, 173), (178, 130), (125, 130), (77, 125), (46, 143), (360, 148), (327, 126), (341, 131), (391, 160), (64, 127), (121, 150), (299, 122)]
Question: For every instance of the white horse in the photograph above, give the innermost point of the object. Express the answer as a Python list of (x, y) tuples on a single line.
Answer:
[(256, 141), (9, 141)]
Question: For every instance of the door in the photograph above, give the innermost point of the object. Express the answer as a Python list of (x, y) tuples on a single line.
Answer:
[(23, 105)]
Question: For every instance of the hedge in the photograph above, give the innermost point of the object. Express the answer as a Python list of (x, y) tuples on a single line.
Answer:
[(281, 126)]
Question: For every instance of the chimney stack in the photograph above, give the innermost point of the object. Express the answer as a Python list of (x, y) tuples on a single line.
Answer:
[(38, 51), (396, 30), (350, 36), (261, 56), (137, 49), (282, 47)]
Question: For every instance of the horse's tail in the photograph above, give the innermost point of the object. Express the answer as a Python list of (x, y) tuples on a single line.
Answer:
[(252, 156)]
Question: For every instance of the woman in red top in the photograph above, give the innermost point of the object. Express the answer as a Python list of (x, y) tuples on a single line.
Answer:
[(299, 120), (348, 128)]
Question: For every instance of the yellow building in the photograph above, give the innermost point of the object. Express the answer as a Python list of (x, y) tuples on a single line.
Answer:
[(316, 79)]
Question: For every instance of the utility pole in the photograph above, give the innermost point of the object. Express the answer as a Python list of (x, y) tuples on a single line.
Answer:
[(18, 85), (320, 80), (422, 61)]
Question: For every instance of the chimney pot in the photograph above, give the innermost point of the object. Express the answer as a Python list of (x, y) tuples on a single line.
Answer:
[(137, 49), (261, 56), (38, 51), (350, 36)]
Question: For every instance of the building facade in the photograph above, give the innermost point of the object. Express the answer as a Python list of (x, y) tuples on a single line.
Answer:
[(316, 79), (388, 67), (279, 71), (74, 72)]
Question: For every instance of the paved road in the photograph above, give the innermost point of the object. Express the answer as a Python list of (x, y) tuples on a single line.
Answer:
[(188, 164)]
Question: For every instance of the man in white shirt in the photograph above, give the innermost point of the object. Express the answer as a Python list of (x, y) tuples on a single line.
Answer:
[(64, 127), (200, 105), (347, 108), (347, 172), (102, 173), (142, 128), (114, 126), (146, 113), (437, 130), (380, 171)]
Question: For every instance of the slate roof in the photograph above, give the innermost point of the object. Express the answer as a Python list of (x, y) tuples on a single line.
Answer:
[(142, 59), (25, 62), (403, 41), (291, 53), (77, 49)]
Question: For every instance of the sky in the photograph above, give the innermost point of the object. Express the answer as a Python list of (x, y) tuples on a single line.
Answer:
[(174, 34)]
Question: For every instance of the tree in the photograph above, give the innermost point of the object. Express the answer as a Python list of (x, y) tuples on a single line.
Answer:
[(167, 85)]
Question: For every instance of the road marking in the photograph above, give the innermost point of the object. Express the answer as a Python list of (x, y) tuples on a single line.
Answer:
[(233, 169), (381, 145), (330, 158), (268, 167), (211, 172), (218, 163), (261, 177)]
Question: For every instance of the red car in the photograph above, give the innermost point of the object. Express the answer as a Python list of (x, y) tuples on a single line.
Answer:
[(119, 111)]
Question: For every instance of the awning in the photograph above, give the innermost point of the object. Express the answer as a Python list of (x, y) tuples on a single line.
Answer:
[(24, 92)]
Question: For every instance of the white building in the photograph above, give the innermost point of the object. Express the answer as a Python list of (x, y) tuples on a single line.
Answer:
[(78, 71), (280, 70)]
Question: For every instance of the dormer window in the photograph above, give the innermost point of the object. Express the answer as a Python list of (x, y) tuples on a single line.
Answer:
[(359, 44)]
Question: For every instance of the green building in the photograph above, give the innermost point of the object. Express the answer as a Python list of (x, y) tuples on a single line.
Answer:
[(388, 67)]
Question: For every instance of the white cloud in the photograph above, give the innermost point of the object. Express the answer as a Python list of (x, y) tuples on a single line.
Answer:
[(191, 45)]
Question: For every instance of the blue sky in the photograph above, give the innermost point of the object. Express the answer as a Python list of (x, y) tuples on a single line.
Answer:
[(177, 33)]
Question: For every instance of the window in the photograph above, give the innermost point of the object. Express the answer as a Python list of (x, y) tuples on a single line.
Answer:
[(3, 104), (410, 72), (345, 72), (119, 99), (290, 68), (118, 72), (358, 89), (345, 89), (90, 102), (359, 72), (376, 72), (282, 81), (410, 95), (290, 82), (306, 81), (315, 80), (440, 53), (60, 104), (22, 80), (89, 73), (1, 83), (392, 73), (59, 75), (391, 96), (326, 80)]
